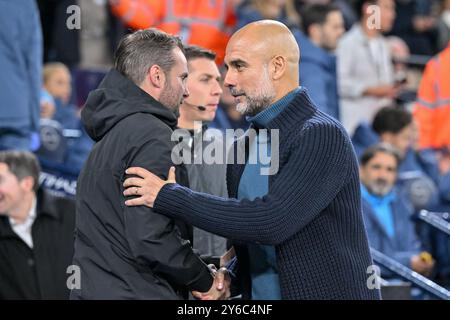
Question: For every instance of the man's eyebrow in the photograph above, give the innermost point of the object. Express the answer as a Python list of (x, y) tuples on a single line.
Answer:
[(236, 62), (210, 76)]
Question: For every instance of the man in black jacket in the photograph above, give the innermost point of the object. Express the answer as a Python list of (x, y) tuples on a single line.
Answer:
[(134, 253), (36, 233)]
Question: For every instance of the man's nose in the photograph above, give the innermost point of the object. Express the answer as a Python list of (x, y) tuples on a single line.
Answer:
[(229, 80), (186, 93), (217, 89)]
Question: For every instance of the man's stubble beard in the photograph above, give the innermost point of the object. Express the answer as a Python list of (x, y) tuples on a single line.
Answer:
[(262, 98), (169, 99)]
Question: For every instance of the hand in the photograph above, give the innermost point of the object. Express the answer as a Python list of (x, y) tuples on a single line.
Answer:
[(423, 23), (227, 257), (47, 110), (146, 185), (422, 266), (220, 289), (384, 91)]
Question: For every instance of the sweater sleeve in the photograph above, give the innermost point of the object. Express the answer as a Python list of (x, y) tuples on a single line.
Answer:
[(315, 172)]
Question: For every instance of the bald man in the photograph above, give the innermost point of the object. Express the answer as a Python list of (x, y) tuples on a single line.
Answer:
[(299, 231)]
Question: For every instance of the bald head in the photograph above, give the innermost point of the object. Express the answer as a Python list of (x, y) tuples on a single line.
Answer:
[(262, 60), (267, 39)]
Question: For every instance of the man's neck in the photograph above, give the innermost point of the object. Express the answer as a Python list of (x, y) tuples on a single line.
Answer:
[(21, 213), (189, 124), (369, 32), (287, 88), (316, 42)]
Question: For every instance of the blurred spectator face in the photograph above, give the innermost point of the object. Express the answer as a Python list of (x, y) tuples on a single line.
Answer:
[(58, 84), (402, 140), (12, 191), (175, 89), (269, 9), (204, 85), (378, 175), (387, 14), (329, 33), (248, 80)]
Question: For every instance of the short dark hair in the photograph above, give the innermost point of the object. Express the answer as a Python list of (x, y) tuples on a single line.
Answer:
[(370, 152), (22, 164), (140, 50), (359, 4), (391, 119), (316, 14), (194, 52)]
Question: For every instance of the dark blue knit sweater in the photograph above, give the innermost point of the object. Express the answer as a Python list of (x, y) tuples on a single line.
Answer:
[(312, 213)]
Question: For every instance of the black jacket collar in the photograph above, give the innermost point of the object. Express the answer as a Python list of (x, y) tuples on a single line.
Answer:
[(116, 98)]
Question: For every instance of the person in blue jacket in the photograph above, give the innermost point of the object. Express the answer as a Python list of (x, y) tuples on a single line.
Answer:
[(20, 76), (57, 80), (387, 215), (418, 172), (323, 25)]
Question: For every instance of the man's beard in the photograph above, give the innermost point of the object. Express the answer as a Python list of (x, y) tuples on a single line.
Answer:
[(170, 99), (259, 100), (379, 187)]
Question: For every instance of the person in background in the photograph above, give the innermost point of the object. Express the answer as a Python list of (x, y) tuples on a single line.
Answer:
[(58, 82), (196, 112), (36, 232), (323, 25), (432, 108), (254, 10), (368, 85), (416, 24), (20, 78), (200, 22), (418, 173), (387, 215)]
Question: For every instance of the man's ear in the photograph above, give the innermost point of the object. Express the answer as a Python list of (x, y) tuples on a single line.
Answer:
[(278, 65), (156, 76), (27, 183), (314, 31), (387, 137)]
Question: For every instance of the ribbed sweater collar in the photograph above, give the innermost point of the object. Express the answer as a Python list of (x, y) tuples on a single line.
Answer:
[(263, 118), (299, 109)]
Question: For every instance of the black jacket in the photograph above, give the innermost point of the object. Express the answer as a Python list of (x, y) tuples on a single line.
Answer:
[(129, 252), (38, 273)]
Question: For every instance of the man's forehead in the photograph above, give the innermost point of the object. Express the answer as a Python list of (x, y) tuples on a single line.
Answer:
[(180, 59), (203, 65), (236, 54), (383, 158)]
